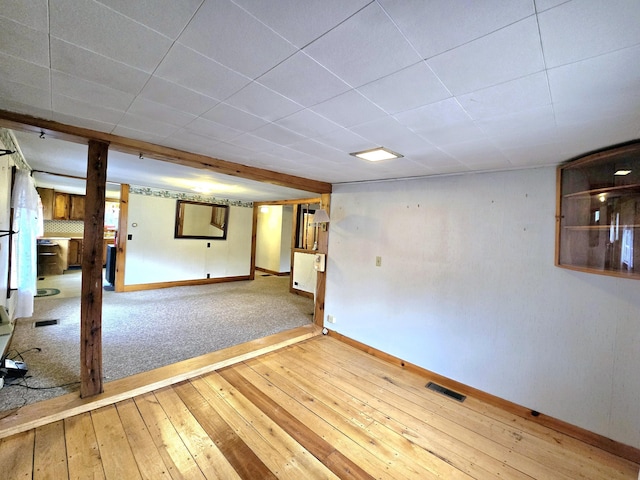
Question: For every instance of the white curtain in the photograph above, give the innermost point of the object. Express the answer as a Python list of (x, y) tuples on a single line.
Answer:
[(27, 221)]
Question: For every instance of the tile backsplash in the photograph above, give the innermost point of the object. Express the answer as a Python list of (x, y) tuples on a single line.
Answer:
[(63, 226)]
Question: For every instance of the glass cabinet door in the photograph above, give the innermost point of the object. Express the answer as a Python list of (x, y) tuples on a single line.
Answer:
[(598, 224)]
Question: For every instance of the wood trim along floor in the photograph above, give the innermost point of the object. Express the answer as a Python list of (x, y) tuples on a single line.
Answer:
[(183, 283), (599, 441), (55, 409)]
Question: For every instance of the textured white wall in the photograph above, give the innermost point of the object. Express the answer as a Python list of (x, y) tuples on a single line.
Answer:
[(468, 289), (269, 238), (153, 255)]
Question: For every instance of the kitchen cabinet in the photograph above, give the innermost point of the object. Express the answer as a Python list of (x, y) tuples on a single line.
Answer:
[(67, 206), (74, 252), (46, 196), (598, 213)]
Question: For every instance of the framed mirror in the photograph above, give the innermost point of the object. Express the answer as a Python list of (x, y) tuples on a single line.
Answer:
[(201, 220)]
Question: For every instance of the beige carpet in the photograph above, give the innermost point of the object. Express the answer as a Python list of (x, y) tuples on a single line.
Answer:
[(146, 330)]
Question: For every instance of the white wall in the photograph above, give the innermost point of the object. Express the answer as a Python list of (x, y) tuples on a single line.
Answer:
[(273, 238), (468, 289), (154, 255)]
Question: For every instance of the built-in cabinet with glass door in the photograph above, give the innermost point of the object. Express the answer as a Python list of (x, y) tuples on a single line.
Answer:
[(598, 217)]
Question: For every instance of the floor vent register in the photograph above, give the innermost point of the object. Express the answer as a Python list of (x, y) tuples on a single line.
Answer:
[(445, 391)]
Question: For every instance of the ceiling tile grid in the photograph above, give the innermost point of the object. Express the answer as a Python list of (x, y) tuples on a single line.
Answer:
[(471, 85)]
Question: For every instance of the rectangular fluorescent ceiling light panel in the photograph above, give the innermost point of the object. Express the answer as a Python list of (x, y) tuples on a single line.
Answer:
[(622, 172), (376, 154)]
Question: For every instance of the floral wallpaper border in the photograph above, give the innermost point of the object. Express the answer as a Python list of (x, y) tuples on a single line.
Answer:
[(10, 143), (194, 197)]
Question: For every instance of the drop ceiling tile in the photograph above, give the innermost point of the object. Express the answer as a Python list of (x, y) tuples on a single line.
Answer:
[(212, 130), (597, 136), (251, 142), (540, 119), (90, 66), (89, 92), (21, 93), (577, 30), (364, 48), (502, 56), (195, 71), (23, 42), (539, 154), (95, 27), (542, 5), (436, 27), (263, 102), (388, 132), (437, 115), (223, 31), (77, 108), (147, 125), (34, 14), (277, 134), (302, 25), (344, 140), (158, 111), (317, 149), (597, 110), (453, 134), (192, 139), (308, 124), (349, 109), (303, 80), (167, 17), (83, 122), (482, 153), (225, 114), (616, 74), (510, 97), (176, 96), (17, 70), (11, 105), (406, 89)]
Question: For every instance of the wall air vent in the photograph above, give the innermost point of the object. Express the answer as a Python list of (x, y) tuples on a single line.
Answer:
[(445, 391)]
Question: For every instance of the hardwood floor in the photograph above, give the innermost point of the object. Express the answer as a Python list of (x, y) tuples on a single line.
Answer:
[(314, 409)]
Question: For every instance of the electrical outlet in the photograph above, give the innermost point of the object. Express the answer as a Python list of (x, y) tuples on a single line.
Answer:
[(378, 261), (331, 319)]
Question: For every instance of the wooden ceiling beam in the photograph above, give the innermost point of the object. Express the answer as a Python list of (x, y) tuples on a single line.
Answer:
[(50, 128)]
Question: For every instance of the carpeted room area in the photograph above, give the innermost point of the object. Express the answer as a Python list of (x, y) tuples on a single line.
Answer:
[(148, 329)]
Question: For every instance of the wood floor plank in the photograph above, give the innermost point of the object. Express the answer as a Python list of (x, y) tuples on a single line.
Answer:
[(83, 454), (50, 455), (238, 453), (354, 383), (322, 421), (209, 458), (509, 431), (432, 441), (406, 453), (16, 455), (117, 457), (174, 453), (148, 458), (318, 408), (337, 462), (298, 462)]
